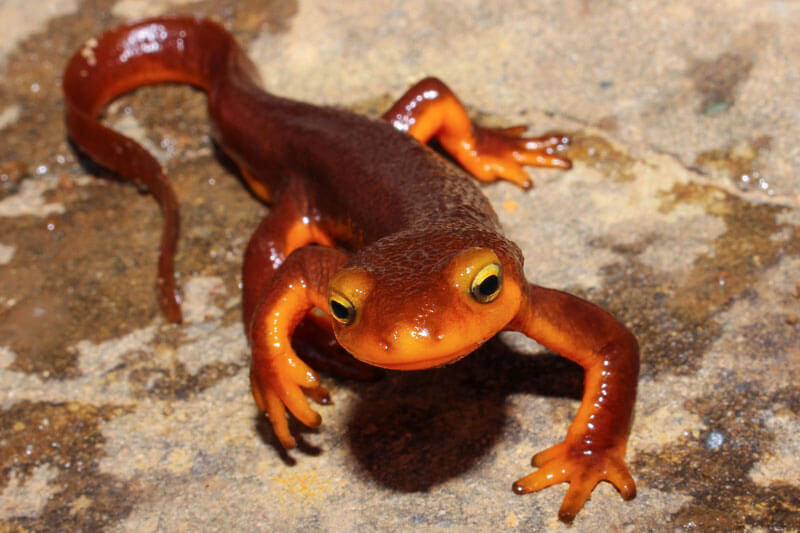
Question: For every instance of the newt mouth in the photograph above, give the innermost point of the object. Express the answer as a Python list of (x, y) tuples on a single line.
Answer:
[(422, 364)]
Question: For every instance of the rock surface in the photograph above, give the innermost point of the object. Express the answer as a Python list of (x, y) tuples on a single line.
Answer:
[(681, 216)]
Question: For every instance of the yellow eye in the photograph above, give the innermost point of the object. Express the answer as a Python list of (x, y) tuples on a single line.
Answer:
[(342, 309), (487, 283)]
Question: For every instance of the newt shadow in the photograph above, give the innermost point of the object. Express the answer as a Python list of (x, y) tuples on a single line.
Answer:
[(414, 430)]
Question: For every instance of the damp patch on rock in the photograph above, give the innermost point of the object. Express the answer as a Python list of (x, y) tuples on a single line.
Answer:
[(698, 465), (675, 317), (58, 446), (717, 79)]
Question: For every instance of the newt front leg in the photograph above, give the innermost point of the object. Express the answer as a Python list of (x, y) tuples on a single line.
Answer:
[(278, 377), (594, 448)]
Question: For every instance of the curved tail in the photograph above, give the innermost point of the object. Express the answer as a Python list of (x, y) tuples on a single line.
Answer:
[(181, 49)]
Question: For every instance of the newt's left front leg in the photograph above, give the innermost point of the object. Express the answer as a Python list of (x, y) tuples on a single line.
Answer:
[(430, 110), (594, 448)]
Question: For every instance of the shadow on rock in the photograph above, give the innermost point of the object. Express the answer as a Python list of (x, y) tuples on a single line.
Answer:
[(414, 430)]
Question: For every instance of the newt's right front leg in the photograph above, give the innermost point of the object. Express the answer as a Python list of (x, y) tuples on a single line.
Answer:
[(278, 377)]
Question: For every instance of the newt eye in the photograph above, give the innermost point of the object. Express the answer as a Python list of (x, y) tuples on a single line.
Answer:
[(342, 309), (487, 283)]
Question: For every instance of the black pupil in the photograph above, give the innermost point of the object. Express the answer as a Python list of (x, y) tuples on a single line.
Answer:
[(339, 310), (489, 285)]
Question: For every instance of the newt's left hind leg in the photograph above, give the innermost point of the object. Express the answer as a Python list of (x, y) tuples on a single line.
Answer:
[(430, 109)]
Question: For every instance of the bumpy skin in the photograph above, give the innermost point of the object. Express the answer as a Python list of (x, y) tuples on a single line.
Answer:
[(402, 237)]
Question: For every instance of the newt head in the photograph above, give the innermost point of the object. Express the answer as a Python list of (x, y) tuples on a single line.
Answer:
[(426, 309)]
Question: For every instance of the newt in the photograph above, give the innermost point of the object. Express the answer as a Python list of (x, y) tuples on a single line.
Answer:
[(397, 247)]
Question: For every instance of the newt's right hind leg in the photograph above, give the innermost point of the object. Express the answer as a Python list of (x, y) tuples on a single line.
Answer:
[(430, 109), (285, 229), (314, 340)]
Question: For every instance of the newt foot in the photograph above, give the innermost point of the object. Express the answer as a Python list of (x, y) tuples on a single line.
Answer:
[(583, 470), (500, 153), (283, 383)]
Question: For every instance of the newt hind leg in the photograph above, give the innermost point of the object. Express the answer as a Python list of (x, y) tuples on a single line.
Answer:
[(430, 109)]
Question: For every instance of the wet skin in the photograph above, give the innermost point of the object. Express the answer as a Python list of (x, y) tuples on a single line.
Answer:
[(397, 246)]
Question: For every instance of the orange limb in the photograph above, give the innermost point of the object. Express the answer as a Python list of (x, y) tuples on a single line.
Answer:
[(430, 109), (279, 379), (594, 448), (283, 280)]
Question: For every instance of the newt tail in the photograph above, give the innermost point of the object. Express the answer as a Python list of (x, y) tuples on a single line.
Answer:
[(193, 51)]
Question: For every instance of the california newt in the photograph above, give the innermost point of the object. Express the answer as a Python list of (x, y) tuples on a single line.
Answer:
[(396, 245)]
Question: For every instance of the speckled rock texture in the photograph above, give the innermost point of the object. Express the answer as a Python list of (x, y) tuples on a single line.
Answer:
[(681, 216)]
